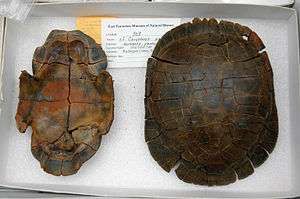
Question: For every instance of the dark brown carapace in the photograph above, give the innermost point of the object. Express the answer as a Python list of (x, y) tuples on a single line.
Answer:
[(209, 102), (68, 101)]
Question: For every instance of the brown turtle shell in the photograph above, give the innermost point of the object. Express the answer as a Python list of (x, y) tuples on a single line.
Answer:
[(209, 102), (68, 101)]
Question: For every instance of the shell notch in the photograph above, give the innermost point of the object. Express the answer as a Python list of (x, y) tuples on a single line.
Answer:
[(209, 102), (68, 101)]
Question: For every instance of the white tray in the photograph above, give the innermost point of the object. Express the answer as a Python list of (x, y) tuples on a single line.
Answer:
[(123, 165), (256, 2)]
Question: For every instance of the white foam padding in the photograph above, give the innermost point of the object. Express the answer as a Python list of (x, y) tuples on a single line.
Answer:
[(123, 160)]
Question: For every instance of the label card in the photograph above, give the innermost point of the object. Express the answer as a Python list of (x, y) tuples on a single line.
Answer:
[(129, 42)]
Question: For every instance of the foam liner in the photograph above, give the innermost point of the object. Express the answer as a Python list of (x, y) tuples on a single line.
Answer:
[(123, 160)]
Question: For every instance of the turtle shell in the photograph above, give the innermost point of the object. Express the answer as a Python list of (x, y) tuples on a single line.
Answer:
[(68, 101), (209, 101)]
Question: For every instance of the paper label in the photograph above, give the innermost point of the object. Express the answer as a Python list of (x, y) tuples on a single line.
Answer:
[(129, 42)]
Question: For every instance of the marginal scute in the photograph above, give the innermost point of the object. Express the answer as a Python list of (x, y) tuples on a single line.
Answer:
[(70, 167), (68, 101), (258, 156), (53, 166), (209, 102), (163, 155), (244, 169)]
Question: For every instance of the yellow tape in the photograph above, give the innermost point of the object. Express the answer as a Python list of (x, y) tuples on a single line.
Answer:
[(91, 26)]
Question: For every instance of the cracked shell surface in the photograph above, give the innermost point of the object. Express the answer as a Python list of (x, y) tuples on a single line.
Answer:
[(209, 102), (68, 101)]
